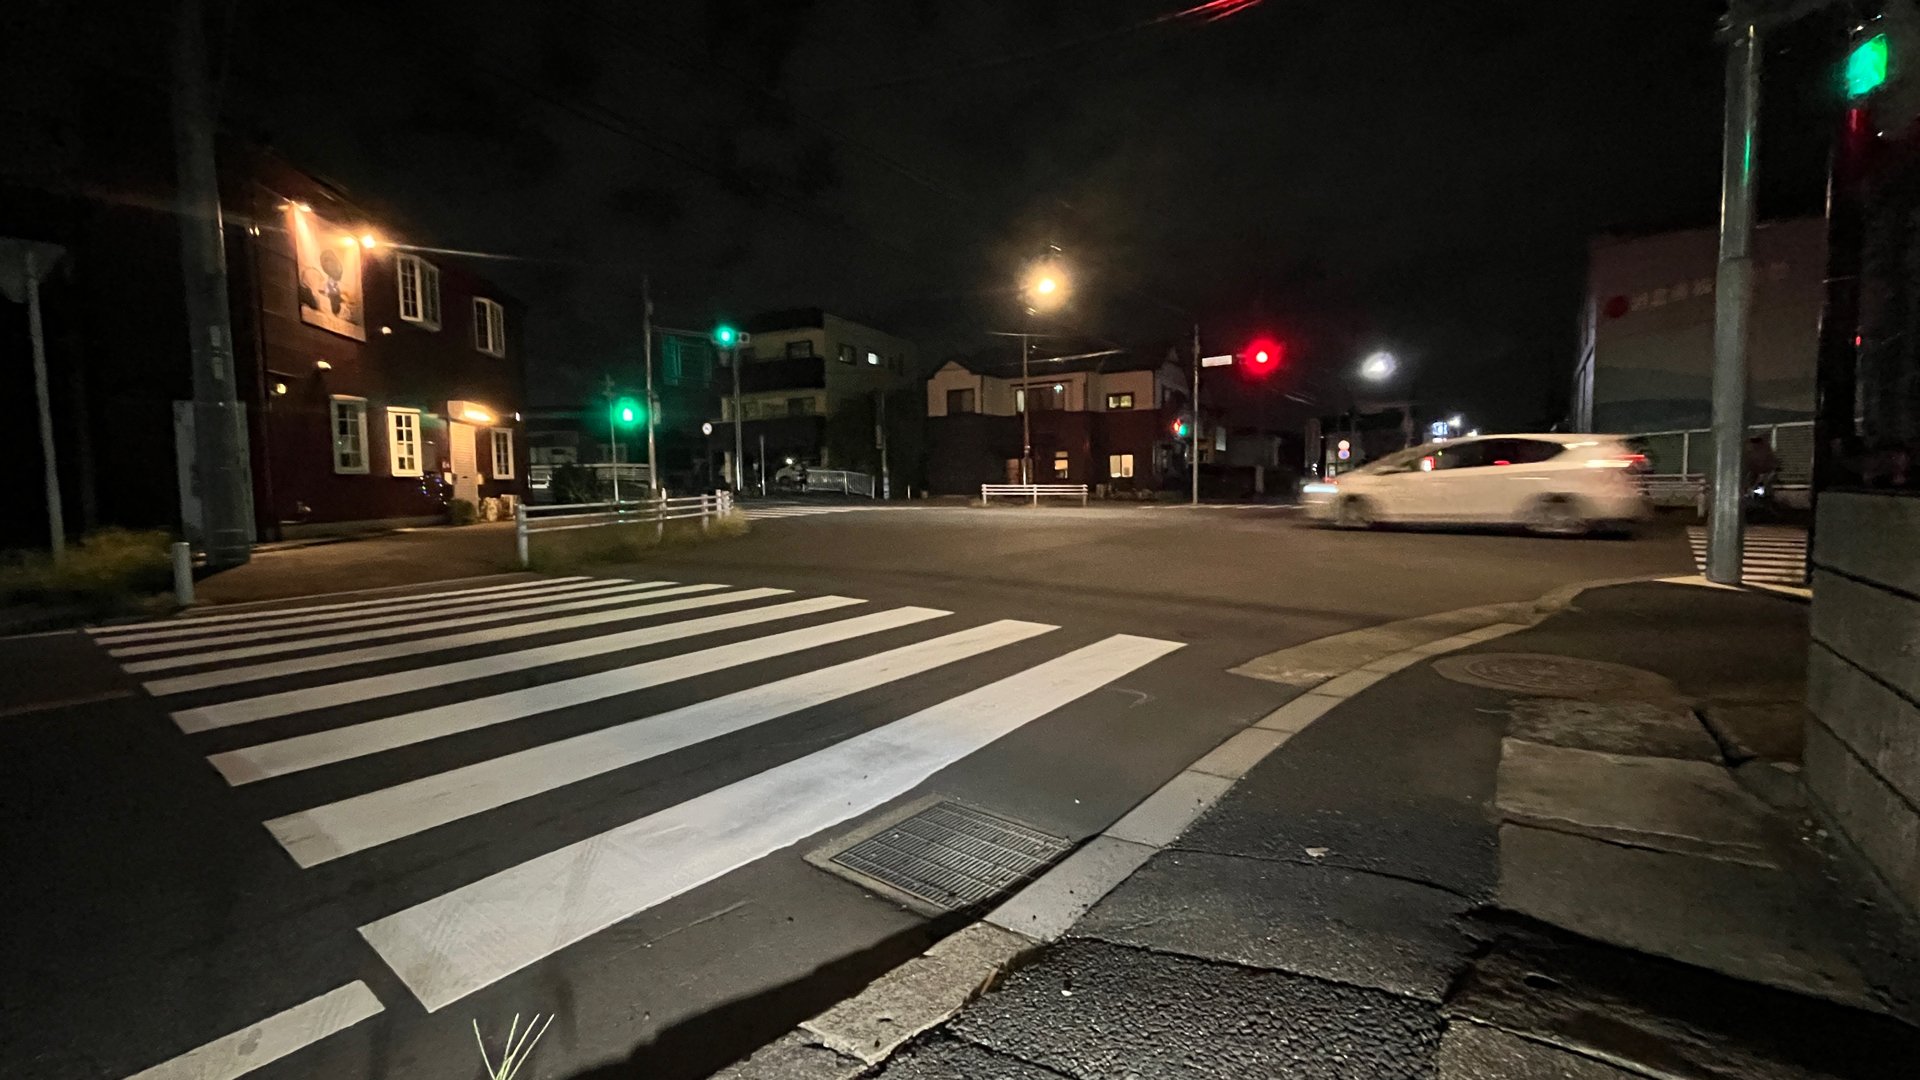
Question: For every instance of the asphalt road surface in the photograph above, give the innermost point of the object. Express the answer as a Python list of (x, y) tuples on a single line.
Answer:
[(345, 830)]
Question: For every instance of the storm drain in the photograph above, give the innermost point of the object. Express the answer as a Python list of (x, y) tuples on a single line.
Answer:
[(948, 855)]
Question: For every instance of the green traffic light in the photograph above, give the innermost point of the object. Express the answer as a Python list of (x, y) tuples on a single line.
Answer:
[(627, 412), (1867, 66), (724, 335)]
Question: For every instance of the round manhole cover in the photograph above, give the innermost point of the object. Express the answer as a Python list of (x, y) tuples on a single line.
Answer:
[(1553, 676)]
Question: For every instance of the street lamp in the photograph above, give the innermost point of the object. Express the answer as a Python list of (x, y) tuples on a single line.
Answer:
[(1379, 367), (1045, 289)]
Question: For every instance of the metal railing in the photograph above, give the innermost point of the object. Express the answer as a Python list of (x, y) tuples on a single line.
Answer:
[(529, 521), (1679, 462), (844, 481), (1033, 492)]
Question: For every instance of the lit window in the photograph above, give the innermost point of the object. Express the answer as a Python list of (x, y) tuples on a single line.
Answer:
[(873, 359), (489, 327), (349, 417), (403, 441), (1120, 466), (503, 453), (419, 291), (1060, 464), (1120, 401)]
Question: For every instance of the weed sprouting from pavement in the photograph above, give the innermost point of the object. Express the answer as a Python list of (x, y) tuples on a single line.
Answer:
[(514, 1054)]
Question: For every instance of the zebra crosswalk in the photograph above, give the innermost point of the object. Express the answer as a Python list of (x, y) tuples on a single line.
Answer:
[(1773, 555), (331, 684)]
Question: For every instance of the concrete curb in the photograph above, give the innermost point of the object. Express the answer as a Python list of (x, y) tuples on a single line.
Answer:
[(860, 1033)]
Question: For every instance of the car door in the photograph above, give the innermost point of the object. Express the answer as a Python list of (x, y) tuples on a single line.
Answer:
[(1460, 482)]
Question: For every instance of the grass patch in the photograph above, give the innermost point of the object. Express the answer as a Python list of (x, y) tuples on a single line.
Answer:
[(569, 549), (107, 570)]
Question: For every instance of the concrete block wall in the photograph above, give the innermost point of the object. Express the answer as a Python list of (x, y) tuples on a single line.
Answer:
[(1862, 763)]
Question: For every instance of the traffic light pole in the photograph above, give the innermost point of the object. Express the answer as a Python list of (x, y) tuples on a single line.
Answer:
[(646, 319), (1194, 464), (1733, 299), (739, 438), (1026, 420)]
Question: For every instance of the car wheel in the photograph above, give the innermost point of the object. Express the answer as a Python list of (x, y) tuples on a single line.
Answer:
[(1353, 512), (1558, 515)]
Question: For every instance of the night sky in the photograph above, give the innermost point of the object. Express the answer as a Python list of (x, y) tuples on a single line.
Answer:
[(1410, 174)]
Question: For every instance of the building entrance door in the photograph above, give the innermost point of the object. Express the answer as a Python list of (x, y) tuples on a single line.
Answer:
[(466, 463)]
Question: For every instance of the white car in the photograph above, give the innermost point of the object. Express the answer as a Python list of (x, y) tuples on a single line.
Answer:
[(1556, 485)]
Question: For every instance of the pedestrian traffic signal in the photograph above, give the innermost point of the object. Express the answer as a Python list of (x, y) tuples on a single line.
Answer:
[(627, 412), (725, 336), (1866, 67), (1263, 356)]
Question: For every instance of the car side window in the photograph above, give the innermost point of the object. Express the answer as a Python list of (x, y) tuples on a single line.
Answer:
[(1526, 451), (1466, 455)]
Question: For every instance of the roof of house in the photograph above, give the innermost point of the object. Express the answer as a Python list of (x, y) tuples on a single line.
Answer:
[(1004, 363)]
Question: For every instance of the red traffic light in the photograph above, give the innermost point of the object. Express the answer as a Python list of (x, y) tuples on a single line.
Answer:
[(1264, 355)]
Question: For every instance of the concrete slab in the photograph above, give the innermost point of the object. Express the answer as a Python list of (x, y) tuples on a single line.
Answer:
[(918, 994), (1653, 728), (1470, 1051), (794, 1057), (1092, 1009), (1162, 816), (1340, 925), (1672, 1020), (1768, 730), (1324, 658), (1052, 902), (1298, 713), (1745, 921), (1689, 807), (1350, 684)]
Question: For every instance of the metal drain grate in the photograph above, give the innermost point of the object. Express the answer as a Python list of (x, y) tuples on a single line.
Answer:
[(951, 855)]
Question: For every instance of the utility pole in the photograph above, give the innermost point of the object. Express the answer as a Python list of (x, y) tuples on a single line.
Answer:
[(1733, 295), (1194, 464), (613, 444), (1026, 418), (221, 467), (653, 405), (880, 440), (739, 439), (50, 467)]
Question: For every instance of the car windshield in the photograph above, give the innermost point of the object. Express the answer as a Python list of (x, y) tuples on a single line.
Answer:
[(1398, 461)]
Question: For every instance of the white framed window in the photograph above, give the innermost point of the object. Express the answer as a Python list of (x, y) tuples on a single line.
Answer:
[(873, 358), (419, 291), (1120, 466), (503, 453), (403, 441), (1119, 401), (489, 327), (349, 418)]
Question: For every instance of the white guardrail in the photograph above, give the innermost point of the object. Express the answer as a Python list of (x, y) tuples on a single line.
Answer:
[(531, 520), (1033, 492)]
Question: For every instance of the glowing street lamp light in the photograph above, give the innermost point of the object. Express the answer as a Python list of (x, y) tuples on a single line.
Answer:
[(1046, 286), (1379, 367)]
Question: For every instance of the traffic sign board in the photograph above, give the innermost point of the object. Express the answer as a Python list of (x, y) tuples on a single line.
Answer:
[(1216, 361)]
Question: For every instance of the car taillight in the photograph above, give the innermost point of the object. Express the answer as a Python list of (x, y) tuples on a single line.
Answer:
[(1635, 462)]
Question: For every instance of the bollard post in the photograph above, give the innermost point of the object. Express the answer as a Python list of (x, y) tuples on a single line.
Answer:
[(660, 518), (183, 573), (706, 512), (520, 532)]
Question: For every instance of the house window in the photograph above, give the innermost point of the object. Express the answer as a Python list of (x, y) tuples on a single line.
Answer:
[(1120, 466), (349, 415), (489, 327), (1120, 401), (873, 358), (503, 453), (403, 441), (419, 291), (846, 354), (799, 406), (1051, 398), (799, 349), (959, 401), (1060, 464)]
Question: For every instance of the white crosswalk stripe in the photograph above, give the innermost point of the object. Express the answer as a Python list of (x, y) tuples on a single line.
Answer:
[(1772, 555), (557, 728), (757, 513), (195, 623)]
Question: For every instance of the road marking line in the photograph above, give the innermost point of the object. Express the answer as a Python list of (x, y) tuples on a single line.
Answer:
[(268, 620), (310, 751), (63, 703), (245, 652), (448, 947), (490, 605), (271, 1039), (364, 821), (265, 613), (327, 695)]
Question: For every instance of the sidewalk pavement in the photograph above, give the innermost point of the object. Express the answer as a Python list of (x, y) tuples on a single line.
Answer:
[(404, 557), (1494, 864)]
